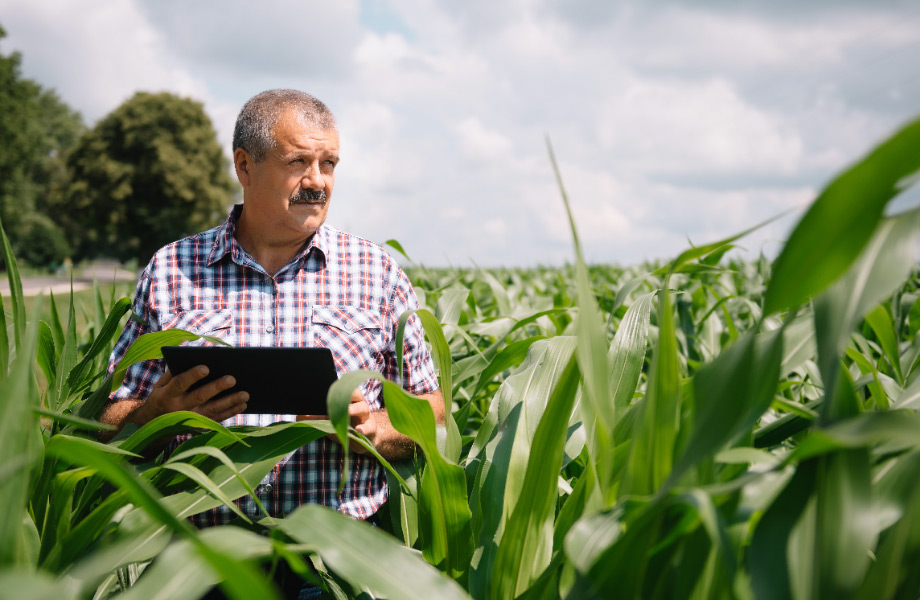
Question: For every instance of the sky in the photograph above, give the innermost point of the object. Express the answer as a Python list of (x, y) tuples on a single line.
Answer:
[(673, 123)]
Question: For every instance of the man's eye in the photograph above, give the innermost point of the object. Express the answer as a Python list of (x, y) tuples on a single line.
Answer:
[(297, 161)]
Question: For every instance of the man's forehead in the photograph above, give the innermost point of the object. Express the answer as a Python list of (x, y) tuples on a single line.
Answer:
[(292, 132)]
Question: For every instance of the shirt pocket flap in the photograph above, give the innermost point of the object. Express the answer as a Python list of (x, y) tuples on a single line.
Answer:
[(201, 322), (347, 318)]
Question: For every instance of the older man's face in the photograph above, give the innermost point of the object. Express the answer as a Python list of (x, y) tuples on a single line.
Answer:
[(289, 192)]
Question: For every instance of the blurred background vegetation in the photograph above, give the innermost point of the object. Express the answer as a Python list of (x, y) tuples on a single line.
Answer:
[(148, 173)]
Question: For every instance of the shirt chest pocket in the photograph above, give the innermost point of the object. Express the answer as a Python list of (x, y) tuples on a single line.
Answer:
[(354, 335), (212, 323)]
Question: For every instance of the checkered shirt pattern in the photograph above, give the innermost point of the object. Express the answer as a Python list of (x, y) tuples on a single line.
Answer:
[(340, 292)]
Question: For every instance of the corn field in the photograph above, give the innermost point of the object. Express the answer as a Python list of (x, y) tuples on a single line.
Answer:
[(704, 428)]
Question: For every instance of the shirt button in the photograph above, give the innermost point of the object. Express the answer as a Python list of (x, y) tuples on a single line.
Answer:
[(268, 487), (269, 329)]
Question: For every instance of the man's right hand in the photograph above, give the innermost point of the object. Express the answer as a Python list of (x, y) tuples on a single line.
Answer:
[(171, 394)]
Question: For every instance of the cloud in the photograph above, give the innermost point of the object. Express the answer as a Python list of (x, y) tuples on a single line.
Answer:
[(96, 55), (669, 119)]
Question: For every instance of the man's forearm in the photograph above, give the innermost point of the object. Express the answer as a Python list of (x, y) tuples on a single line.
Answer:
[(118, 413), (393, 445), (121, 412)]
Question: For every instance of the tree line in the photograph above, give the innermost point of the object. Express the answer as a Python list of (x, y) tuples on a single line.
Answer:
[(147, 173)]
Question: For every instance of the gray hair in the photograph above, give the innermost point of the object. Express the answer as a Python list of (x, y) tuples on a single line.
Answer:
[(255, 125)]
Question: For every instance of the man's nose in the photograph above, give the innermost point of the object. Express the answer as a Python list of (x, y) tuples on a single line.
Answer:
[(313, 178)]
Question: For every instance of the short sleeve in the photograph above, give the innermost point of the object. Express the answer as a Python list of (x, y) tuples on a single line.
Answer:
[(418, 369), (140, 376)]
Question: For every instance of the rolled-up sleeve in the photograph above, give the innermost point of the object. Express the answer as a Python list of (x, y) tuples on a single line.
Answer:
[(418, 369), (140, 376)]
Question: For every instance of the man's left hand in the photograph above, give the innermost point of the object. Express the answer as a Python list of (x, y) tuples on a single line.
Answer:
[(359, 417), (376, 426)]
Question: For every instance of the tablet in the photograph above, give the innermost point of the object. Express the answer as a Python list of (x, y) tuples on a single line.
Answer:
[(281, 381)]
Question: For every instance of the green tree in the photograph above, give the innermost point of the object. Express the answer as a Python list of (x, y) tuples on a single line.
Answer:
[(148, 173), (37, 130)]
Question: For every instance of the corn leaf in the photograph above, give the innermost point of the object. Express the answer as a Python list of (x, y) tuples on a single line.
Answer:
[(360, 553), (840, 222)]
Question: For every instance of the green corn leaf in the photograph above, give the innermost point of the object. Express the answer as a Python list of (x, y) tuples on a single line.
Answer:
[(503, 448), (617, 561), (89, 454), (75, 422), (883, 327), (839, 224), (107, 330), (67, 350), (864, 430), (149, 347), (57, 522), (887, 576), (883, 265), (627, 352), (511, 356), (196, 475), (366, 556), (598, 409), (16, 299), (652, 450), (769, 560), (46, 357), (225, 460), (169, 425), (36, 585), (441, 354), (398, 247), (715, 528), (843, 535), (57, 330), (730, 394), (252, 461), (444, 516), (19, 444), (4, 343), (525, 550)]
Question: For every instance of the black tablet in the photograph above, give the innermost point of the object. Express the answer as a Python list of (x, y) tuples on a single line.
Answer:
[(282, 381)]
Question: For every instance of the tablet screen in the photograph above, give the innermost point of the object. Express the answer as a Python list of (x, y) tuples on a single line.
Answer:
[(285, 381)]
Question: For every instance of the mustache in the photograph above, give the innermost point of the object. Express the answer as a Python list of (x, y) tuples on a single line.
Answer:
[(304, 196)]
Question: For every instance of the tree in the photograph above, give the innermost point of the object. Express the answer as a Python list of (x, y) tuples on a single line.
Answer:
[(37, 130), (148, 173)]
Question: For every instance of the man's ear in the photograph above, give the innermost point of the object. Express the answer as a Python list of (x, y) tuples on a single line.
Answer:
[(242, 162)]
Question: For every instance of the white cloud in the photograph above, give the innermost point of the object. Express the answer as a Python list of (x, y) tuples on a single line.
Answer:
[(669, 119), (96, 55), (693, 126), (479, 143)]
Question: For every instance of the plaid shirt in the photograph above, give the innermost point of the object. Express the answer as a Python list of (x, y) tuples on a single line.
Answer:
[(340, 292)]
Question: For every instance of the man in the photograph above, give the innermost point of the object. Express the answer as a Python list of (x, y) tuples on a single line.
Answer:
[(276, 275)]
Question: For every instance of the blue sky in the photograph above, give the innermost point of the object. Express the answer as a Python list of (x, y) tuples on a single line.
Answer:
[(671, 120)]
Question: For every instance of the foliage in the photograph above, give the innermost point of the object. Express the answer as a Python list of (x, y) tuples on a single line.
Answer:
[(37, 130), (148, 173), (708, 428)]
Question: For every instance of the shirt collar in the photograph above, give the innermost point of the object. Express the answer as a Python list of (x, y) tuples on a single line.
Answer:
[(225, 240)]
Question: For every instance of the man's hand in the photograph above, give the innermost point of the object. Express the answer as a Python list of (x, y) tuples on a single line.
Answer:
[(359, 417), (376, 426), (171, 394)]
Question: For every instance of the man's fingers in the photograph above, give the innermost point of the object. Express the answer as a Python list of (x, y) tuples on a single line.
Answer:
[(165, 378), (206, 392), (183, 381), (224, 408)]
